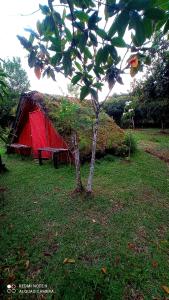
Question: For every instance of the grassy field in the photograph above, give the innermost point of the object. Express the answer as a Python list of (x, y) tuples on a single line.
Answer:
[(116, 244)]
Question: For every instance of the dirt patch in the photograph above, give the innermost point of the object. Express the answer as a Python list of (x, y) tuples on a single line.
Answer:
[(163, 154)]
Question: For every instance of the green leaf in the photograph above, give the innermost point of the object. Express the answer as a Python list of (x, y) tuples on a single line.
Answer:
[(98, 85), (84, 3), (99, 56), (88, 53), (67, 63), (148, 27), (166, 27), (68, 34), (32, 59), (81, 40), (56, 44), (93, 20), (120, 24), (102, 34), (137, 24), (78, 66), (84, 92), (110, 8), (76, 78), (48, 26), (93, 39), (55, 60), (82, 16), (45, 9), (25, 43), (155, 14), (112, 52), (118, 42), (140, 4), (32, 32)]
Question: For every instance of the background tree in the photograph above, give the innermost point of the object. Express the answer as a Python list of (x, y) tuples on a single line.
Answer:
[(80, 39), (16, 82), (73, 90), (17, 77), (153, 91), (114, 107)]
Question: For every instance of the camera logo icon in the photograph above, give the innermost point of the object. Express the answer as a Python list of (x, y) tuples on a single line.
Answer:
[(11, 288)]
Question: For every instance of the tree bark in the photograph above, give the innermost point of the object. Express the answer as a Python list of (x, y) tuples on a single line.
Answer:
[(92, 162), (79, 186)]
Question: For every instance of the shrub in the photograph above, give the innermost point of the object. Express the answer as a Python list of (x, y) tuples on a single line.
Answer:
[(130, 142)]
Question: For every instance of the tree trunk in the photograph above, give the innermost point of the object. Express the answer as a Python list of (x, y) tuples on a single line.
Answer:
[(79, 186), (92, 162)]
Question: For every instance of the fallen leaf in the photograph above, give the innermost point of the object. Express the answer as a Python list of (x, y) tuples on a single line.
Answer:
[(154, 264), (131, 246), (104, 270), (165, 288), (69, 261), (27, 263)]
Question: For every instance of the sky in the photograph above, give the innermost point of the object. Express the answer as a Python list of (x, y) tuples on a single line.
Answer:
[(12, 23)]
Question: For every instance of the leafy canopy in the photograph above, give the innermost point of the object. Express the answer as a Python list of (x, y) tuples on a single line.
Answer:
[(81, 39)]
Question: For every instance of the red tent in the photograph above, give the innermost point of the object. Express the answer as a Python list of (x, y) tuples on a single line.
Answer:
[(33, 127)]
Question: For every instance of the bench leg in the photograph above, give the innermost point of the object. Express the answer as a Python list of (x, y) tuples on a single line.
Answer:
[(55, 160), (40, 157)]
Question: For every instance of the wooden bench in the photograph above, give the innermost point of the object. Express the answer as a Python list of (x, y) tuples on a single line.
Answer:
[(19, 147), (55, 152)]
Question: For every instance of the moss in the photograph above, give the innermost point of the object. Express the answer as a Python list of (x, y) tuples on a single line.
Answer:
[(109, 132)]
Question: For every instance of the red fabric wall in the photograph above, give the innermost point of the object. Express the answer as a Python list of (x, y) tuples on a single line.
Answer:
[(44, 134), (25, 135)]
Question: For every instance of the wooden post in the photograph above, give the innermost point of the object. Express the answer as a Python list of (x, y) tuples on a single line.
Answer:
[(55, 160), (40, 157)]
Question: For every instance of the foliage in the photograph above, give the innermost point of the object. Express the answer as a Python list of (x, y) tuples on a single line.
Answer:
[(3, 84), (81, 42), (130, 142), (16, 76), (124, 229), (72, 115), (114, 107), (16, 82), (81, 38), (152, 92)]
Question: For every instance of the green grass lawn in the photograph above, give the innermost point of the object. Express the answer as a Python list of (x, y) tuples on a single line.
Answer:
[(119, 239)]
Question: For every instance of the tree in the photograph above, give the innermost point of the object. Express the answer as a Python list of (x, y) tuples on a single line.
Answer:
[(72, 118), (15, 81), (17, 77), (3, 83), (152, 92), (80, 39), (114, 107)]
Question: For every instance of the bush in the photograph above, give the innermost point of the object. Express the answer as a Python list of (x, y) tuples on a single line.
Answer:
[(130, 142), (120, 150)]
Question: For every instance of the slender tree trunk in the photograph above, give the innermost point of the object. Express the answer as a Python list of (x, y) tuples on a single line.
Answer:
[(79, 186), (92, 162)]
